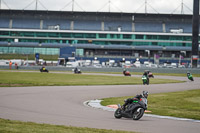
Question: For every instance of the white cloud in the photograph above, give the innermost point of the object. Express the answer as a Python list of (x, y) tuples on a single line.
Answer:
[(162, 6)]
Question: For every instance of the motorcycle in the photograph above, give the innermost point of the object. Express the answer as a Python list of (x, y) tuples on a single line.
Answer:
[(149, 73), (190, 77), (134, 110), (43, 69), (76, 71), (126, 73), (145, 80)]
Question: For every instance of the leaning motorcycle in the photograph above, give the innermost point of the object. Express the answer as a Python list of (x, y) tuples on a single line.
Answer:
[(44, 70), (145, 80), (126, 73), (77, 71), (134, 110), (190, 77)]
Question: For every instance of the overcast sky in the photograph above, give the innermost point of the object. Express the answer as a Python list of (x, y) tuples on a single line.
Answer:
[(138, 6)]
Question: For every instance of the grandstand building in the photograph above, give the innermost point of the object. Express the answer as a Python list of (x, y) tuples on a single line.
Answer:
[(104, 35)]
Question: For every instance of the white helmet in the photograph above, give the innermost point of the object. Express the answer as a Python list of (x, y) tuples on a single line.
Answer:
[(145, 94)]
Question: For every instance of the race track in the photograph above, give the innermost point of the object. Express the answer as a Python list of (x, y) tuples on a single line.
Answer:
[(63, 105)]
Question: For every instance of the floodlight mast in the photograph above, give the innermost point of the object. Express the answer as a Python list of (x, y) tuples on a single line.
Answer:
[(195, 34), (36, 4)]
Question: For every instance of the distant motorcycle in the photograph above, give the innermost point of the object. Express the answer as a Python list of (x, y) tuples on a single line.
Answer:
[(76, 71), (145, 80), (126, 73), (134, 110), (190, 77), (150, 74), (43, 69)]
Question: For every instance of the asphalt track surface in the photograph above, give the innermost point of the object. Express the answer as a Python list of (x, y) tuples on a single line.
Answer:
[(63, 105)]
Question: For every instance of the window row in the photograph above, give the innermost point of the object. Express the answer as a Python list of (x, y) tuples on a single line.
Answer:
[(25, 50)]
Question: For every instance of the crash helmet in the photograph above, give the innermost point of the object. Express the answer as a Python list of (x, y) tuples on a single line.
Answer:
[(145, 94)]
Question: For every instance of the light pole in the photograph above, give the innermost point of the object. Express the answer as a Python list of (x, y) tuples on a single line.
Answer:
[(148, 51), (195, 34)]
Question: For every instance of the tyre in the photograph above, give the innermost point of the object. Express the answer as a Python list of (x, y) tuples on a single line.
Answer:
[(118, 114), (147, 82), (138, 113)]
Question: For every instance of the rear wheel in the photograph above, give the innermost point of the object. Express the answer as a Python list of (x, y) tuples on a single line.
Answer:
[(147, 81), (118, 114), (138, 113)]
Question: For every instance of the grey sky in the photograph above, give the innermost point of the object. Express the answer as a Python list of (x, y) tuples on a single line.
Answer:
[(153, 6)]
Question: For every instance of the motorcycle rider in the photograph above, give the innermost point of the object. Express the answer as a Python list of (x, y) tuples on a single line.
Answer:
[(146, 74), (43, 68), (124, 72), (76, 70), (137, 97), (188, 73)]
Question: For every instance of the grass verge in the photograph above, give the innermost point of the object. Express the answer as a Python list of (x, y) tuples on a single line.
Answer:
[(8, 79), (8, 126), (183, 104)]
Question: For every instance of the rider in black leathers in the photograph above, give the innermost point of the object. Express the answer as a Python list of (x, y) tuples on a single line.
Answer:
[(76, 70), (145, 74), (137, 97)]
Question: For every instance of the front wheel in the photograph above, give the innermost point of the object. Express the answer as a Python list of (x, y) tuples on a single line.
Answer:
[(138, 113), (118, 114)]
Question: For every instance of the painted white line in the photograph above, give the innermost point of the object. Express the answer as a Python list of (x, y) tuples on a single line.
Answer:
[(96, 104)]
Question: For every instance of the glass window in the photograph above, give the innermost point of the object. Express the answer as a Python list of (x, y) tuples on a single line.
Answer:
[(40, 50), (187, 38), (127, 36), (164, 37), (27, 50), (54, 35), (102, 35), (52, 51), (90, 35), (139, 37), (31, 34), (4, 33), (151, 37), (65, 34), (78, 35), (114, 35), (79, 52), (14, 33), (175, 38), (40, 34), (4, 50), (154, 43)]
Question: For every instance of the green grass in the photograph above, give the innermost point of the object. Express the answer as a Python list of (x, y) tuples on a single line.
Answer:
[(177, 74), (184, 104), (8, 126), (59, 79)]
